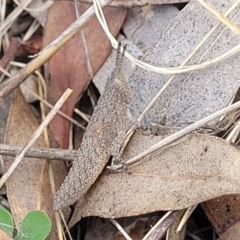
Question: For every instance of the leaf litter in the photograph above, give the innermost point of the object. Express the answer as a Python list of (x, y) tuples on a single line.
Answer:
[(185, 88), (28, 188), (219, 94)]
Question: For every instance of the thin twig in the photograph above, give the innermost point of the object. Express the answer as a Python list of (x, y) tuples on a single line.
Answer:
[(233, 135), (42, 153), (35, 136), (31, 30), (59, 225), (84, 116)]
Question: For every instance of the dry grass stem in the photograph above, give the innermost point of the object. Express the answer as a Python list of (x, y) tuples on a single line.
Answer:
[(7, 23), (233, 135), (59, 112), (5, 72), (220, 17), (185, 217), (58, 223), (42, 93), (158, 230), (35, 136), (84, 116), (53, 188), (65, 224), (119, 227), (31, 30)]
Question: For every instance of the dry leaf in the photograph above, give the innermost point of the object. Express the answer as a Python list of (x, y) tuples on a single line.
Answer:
[(223, 212), (145, 25), (232, 233), (194, 95), (28, 188), (67, 68), (196, 169)]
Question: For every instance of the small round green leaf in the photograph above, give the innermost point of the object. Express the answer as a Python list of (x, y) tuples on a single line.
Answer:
[(35, 226), (6, 221)]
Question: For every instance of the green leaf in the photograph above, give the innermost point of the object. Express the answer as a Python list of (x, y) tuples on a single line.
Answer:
[(35, 226), (6, 221)]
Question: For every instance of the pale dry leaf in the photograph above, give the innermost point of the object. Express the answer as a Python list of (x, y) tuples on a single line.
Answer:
[(28, 188), (197, 168), (145, 25), (40, 15), (190, 96)]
